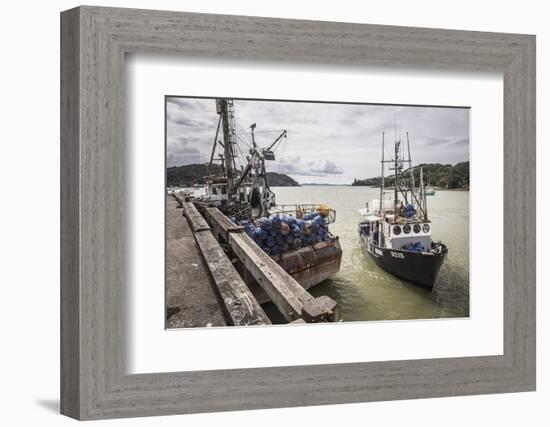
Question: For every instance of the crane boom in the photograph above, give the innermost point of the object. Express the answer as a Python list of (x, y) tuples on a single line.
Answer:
[(283, 134), (257, 155)]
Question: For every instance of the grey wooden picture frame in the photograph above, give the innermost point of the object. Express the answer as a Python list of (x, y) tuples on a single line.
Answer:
[(94, 42)]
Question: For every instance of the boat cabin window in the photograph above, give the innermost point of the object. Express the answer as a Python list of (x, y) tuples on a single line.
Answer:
[(214, 190), (224, 190)]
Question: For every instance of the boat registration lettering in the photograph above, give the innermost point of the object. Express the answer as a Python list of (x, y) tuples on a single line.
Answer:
[(301, 268), (397, 255)]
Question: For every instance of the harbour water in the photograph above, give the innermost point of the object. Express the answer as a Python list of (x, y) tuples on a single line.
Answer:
[(364, 291)]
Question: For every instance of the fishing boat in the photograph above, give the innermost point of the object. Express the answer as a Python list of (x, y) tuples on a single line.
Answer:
[(297, 237), (396, 230)]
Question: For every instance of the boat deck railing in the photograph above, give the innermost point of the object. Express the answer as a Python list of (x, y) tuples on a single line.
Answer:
[(301, 210)]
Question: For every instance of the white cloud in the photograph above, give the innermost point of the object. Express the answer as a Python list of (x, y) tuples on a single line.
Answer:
[(325, 168), (295, 165)]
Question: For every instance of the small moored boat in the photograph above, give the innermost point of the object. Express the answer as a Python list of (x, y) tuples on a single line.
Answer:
[(396, 230)]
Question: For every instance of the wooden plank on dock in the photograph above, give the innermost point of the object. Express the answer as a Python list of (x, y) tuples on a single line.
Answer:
[(285, 292), (241, 307), (198, 223), (222, 225)]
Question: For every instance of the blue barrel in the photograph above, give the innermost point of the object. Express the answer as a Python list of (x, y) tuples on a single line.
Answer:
[(260, 233), (250, 229), (275, 220), (265, 224)]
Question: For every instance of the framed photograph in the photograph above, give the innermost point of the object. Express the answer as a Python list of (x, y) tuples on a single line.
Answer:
[(276, 175), (261, 213)]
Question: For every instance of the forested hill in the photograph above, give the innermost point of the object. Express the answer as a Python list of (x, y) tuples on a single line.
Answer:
[(189, 175), (275, 179), (435, 175)]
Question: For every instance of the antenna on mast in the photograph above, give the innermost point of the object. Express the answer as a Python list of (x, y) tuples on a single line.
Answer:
[(411, 171), (382, 176)]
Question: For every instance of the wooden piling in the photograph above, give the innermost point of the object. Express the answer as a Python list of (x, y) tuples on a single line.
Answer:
[(240, 306), (197, 222)]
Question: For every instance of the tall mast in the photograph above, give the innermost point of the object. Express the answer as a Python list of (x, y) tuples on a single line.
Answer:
[(252, 127), (225, 109), (395, 192), (425, 203), (214, 146), (410, 165), (382, 176)]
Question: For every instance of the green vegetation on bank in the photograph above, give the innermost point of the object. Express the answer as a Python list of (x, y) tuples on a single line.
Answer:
[(190, 175), (435, 175)]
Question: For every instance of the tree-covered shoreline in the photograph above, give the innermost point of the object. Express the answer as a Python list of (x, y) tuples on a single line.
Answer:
[(434, 174)]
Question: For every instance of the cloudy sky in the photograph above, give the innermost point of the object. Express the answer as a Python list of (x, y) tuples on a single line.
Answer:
[(326, 143)]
